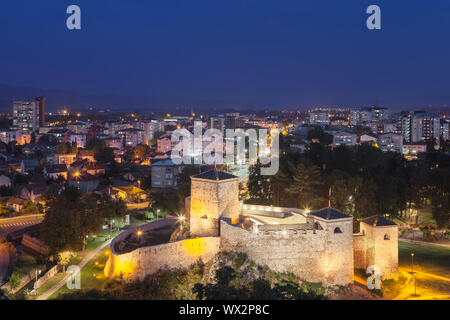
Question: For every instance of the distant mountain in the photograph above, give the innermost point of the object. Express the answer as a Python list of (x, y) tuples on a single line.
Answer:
[(55, 99)]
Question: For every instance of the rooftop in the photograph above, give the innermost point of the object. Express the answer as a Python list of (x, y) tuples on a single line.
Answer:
[(378, 221), (329, 214), (214, 175)]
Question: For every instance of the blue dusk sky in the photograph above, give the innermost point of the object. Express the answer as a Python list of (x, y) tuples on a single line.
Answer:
[(275, 53)]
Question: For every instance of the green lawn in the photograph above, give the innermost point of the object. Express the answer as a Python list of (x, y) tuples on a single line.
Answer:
[(25, 264), (48, 285), (433, 258), (92, 276)]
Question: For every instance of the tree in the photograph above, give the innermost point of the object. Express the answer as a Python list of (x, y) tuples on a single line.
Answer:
[(305, 184), (64, 258), (109, 208), (14, 279), (319, 134), (4, 209), (66, 148), (259, 185), (101, 151), (156, 136), (141, 150), (29, 207), (166, 202), (184, 180), (69, 218), (439, 194), (104, 155), (5, 191), (20, 179)]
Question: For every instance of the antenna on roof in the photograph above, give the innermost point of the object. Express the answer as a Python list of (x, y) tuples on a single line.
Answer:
[(329, 197)]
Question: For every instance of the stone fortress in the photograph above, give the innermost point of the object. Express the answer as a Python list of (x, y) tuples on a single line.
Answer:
[(317, 246)]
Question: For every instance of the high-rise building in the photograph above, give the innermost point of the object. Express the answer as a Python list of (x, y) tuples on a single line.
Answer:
[(367, 115), (391, 142), (149, 127), (420, 126), (319, 117), (29, 115), (41, 101), (230, 121), (217, 122), (445, 129)]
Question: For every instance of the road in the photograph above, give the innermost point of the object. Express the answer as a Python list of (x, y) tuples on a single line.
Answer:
[(4, 262), (63, 282), (8, 225)]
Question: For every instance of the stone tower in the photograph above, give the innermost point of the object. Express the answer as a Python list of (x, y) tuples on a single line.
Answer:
[(337, 260), (377, 244), (214, 195)]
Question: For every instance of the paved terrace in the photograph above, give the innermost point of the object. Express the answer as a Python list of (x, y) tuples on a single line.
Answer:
[(150, 234), (268, 215)]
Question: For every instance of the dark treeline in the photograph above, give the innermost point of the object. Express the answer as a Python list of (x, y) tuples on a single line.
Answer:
[(360, 180)]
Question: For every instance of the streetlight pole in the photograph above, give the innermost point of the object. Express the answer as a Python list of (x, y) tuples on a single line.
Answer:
[(412, 262), (415, 286)]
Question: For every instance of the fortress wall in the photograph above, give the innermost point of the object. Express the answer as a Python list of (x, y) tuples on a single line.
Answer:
[(302, 252), (147, 260), (360, 250)]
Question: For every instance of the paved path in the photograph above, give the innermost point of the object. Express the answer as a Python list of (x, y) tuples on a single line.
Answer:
[(4, 262), (8, 225), (63, 282), (424, 242)]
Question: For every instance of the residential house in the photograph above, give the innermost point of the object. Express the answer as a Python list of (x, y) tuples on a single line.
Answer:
[(15, 204), (86, 154), (5, 181), (128, 193), (84, 182), (165, 174), (344, 138), (391, 142), (55, 171)]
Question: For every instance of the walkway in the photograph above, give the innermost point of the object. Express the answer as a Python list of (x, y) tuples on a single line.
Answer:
[(63, 282)]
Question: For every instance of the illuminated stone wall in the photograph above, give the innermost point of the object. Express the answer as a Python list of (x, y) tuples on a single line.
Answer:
[(313, 255), (147, 260), (377, 246), (211, 200)]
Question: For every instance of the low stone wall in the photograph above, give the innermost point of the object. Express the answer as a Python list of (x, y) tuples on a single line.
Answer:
[(47, 276), (144, 261)]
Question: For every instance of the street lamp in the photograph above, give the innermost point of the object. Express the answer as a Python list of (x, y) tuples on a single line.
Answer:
[(37, 272), (415, 286), (412, 262)]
